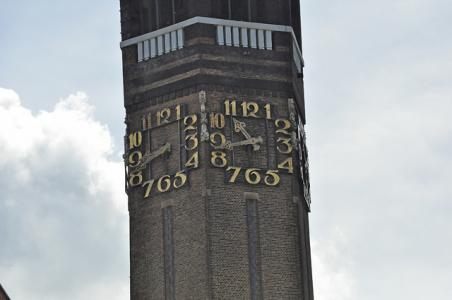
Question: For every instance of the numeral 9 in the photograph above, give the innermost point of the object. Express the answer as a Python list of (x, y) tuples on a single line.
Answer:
[(134, 158), (217, 139)]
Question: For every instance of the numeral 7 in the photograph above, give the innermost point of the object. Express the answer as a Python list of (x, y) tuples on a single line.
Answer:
[(235, 174), (150, 184)]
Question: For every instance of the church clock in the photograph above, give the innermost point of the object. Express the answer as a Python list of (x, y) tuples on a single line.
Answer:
[(243, 154), (149, 144)]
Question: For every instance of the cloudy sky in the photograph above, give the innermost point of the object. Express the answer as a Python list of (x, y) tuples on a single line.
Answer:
[(379, 100)]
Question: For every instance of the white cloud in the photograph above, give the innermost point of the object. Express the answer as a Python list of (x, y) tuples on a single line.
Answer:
[(332, 277), (378, 103), (63, 210)]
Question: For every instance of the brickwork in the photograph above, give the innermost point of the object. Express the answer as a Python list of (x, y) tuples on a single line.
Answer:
[(227, 240)]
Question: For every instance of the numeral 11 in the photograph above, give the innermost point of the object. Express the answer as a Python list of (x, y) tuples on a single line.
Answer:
[(230, 108)]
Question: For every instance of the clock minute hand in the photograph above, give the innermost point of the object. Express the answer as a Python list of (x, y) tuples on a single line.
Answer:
[(150, 156), (240, 127)]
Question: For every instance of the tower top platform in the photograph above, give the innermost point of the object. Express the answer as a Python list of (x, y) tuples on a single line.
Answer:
[(139, 17)]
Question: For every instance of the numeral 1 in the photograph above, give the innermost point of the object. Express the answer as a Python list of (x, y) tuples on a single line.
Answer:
[(268, 111), (178, 112), (230, 108)]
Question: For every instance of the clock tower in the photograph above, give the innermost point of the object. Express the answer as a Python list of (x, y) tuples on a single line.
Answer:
[(216, 164)]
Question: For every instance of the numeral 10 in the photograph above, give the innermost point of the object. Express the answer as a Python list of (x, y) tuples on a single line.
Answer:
[(248, 109), (135, 139)]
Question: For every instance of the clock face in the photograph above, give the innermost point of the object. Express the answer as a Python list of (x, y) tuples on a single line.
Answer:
[(157, 159), (251, 143)]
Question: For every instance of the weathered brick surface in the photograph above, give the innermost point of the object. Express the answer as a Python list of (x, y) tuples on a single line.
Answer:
[(210, 226)]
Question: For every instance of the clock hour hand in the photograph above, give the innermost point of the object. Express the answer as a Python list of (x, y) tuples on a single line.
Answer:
[(150, 156), (252, 141)]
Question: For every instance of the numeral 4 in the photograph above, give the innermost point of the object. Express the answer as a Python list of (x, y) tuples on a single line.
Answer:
[(287, 165)]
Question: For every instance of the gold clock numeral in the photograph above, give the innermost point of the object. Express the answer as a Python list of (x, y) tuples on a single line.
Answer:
[(190, 122), (283, 125), (230, 108), (287, 165), (218, 159), (163, 116), (252, 176), (178, 112), (217, 139), (191, 142), (179, 180), (149, 184), (164, 184), (268, 111), (146, 121), (272, 178), (135, 179), (235, 174), (287, 142), (250, 109), (135, 139), (134, 158), (217, 120), (193, 161)]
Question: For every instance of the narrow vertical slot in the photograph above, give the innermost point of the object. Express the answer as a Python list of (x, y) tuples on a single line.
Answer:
[(253, 246), (168, 249)]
